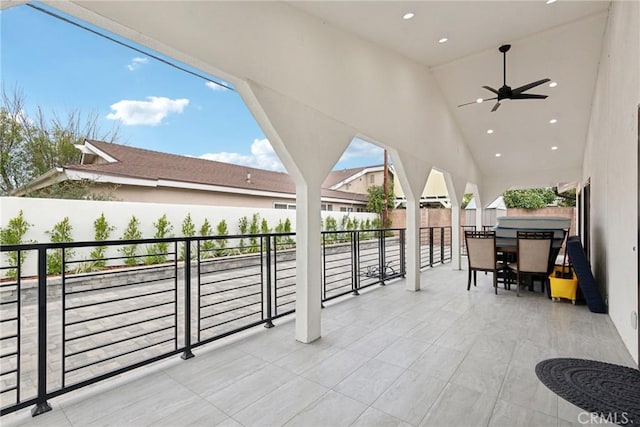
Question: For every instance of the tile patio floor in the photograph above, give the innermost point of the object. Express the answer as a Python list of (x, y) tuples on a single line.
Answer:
[(442, 356)]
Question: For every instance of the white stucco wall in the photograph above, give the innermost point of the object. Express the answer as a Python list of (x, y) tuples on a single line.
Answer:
[(44, 213), (611, 163)]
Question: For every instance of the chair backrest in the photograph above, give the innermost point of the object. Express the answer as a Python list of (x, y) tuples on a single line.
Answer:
[(534, 250), (481, 249)]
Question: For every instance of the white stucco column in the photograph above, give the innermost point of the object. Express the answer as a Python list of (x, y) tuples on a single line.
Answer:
[(413, 175), (308, 262), (309, 144), (455, 186)]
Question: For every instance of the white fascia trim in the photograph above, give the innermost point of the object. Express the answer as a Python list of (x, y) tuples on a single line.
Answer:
[(114, 179), (98, 152), (218, 188), (343, 201), (358, 175), (53, 176)]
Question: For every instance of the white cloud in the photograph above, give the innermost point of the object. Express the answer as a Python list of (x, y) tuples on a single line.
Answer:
[(136, 63), (262, 157), (362, 149), (150, 112), (216, 87)]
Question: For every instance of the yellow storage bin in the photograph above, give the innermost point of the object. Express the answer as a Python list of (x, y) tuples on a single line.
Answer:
[(563, 288)]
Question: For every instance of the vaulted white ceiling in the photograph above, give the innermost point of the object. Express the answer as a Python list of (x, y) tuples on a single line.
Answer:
[(561, 41)]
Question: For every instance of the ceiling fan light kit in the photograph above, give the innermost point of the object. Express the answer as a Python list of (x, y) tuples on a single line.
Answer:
[(505, 92)]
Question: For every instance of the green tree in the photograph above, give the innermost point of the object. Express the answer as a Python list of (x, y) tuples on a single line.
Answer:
[(32, 146), (376, 202), (188, 230), (207, 246), (13, 234), (132, 232), (466, 199), (157, 252), (102, 230), (530, 198), (60, 233), (567, 199)]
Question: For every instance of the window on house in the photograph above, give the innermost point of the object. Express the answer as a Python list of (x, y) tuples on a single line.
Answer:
[(345, 209), (372, 179), (326, 207), (290, 206)]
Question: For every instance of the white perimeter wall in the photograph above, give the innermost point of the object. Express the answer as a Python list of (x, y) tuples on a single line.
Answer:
[(44, 213), (611, 163)]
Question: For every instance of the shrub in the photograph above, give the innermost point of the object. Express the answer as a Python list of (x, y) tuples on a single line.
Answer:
[(222, 243), (207, 247), (60, 233), (102, 231), (243, 227), (12, 234), (531, 198), (254, 229), (132, 232), (188, 230), (157, 252)]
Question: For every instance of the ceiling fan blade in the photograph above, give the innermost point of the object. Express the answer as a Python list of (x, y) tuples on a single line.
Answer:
[(521, 89), (476, 102), (491, 89), (495, 107), (528, 96)]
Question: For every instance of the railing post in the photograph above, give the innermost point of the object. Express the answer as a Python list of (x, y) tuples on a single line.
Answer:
[(267, 246), (355, 262), (430, 246), (382, 256), (42, 405), (187, 354), (403, 259), (441, 245)]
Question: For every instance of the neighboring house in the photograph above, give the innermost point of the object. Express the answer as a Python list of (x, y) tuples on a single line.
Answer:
[(138, 175), (358, 180)]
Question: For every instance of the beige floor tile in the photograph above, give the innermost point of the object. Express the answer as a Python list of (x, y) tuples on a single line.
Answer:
[(369, 381), (410, 397), (331, 410)]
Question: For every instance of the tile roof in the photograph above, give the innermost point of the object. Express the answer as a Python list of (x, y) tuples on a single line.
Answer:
[(147, 164)]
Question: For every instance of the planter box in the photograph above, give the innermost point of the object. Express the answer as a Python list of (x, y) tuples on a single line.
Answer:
[(563, 288)]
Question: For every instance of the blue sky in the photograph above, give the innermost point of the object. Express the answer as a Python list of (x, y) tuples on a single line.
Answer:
[(61, 68)]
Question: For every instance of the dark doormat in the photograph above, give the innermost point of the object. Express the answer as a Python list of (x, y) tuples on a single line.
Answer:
[(612, 391)]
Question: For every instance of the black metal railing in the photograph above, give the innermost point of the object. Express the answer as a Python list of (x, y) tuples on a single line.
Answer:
[(356, 259), (435, 245), (84, 319)]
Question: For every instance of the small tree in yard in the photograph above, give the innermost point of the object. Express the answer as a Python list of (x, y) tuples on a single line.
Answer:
[(376, 202), (157, 252), (207, 246), (60, 233), (102, 231), (132, 232), (531, 198), (12, 234), (188, 230), (222, 243)]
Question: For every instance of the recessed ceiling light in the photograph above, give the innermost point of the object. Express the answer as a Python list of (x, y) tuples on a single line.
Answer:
[(408, 15), (551, 1), (498, 155), (443, 40), (479, 100), (552, 121), (553, 84), (554, 148), (489, 131)]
